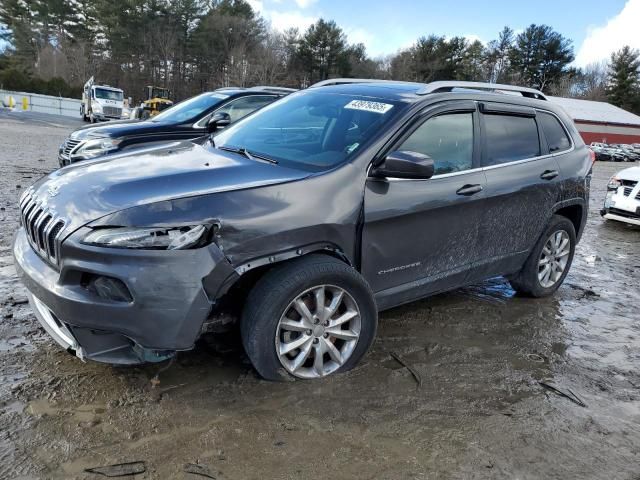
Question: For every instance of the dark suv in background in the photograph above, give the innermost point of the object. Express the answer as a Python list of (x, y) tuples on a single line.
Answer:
[(186, 120), (304, 220)]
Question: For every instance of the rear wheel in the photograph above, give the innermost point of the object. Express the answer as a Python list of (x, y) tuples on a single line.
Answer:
[(308, 319), (549, 262)]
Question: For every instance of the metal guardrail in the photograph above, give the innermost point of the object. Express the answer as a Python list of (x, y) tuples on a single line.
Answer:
[(34, 102)]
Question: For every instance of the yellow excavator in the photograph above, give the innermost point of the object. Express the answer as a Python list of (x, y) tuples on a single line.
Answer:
[(156, 99)]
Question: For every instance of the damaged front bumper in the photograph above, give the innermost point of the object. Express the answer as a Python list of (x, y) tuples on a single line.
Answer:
[(168, 296), (622, 206)]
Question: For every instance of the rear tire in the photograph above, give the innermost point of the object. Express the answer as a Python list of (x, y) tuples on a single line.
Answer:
[(549, 261), (292, 304)]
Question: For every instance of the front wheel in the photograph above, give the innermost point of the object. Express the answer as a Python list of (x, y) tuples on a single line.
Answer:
[(549, 262), (308, 319)]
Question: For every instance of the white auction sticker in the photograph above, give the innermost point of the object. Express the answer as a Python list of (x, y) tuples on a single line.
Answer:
[(375, 107)]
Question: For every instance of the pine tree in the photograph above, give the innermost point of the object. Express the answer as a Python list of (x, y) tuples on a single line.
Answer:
[(322, 49), (540, 56), (623, 87)]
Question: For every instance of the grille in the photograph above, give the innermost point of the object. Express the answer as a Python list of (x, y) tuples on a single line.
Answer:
[(42, 227), (69, 145), (628, 186), (112, 111)]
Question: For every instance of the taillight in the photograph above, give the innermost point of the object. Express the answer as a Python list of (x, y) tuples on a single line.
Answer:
[(592, 155)]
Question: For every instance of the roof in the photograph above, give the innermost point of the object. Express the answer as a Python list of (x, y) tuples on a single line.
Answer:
[(393, 91), (107, 87), (260, 88), (598, 112)]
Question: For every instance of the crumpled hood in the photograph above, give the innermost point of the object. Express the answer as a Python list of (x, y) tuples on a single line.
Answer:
[(86, 191)]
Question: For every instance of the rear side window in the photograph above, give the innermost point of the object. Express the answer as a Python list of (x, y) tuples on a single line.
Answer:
[(554, 132), (447, 139), (510, 138)]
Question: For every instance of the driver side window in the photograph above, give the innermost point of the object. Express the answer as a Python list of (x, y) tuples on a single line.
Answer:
[(447, 139), (243, 106)]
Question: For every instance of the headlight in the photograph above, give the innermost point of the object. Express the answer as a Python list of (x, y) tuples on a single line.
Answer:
[(179, 238), (95, 148), (96, 107), (614, 183)]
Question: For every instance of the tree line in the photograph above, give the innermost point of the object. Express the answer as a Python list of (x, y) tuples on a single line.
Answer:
[(190, 46)]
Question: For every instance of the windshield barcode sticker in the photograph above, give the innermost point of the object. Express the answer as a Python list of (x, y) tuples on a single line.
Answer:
[(375, 107)]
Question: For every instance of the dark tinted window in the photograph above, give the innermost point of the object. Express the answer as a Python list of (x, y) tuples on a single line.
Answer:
[(553, 132), (510, 138), (448, 139)]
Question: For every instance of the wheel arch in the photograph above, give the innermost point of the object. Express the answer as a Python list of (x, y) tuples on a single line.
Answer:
[(231, 297), (576, 211)]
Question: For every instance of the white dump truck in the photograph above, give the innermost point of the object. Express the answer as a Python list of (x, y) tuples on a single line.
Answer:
[(101, 102)]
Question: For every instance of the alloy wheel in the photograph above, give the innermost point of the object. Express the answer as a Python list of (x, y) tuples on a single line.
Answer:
[(318, 331), (554, 258)]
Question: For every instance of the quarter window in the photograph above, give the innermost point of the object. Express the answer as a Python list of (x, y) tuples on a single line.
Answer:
[(510, 138), (554, 133), (447, 139)]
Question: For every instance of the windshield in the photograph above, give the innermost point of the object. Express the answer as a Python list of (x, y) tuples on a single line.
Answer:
[(190, 109), (312, 130), (105, 94)]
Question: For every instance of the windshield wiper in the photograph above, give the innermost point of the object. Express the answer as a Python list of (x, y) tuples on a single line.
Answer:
[(247, 153)]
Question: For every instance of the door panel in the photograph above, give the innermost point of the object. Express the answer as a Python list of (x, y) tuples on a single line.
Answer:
[(518, 205), (522, 187), (420, 236), (420, 230)]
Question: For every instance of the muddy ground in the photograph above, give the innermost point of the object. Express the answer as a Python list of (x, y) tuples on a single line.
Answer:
[(480, 353)]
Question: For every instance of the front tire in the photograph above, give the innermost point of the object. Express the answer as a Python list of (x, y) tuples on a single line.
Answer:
[(549, 262), (308, 319)]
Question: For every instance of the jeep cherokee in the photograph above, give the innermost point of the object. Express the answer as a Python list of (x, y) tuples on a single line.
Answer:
[(304, 220)]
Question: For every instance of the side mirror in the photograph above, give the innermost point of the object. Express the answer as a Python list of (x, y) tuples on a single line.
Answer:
[(405, 164), (217, 121)]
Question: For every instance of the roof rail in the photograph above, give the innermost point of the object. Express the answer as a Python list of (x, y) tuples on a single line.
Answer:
[(441, 86), (267, 88), (448, 86), (343, 81)]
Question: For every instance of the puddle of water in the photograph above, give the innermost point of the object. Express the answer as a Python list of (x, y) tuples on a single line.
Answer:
[(41, 407)]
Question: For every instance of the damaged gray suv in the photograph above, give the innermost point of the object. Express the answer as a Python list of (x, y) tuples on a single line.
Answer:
[(303, 221)]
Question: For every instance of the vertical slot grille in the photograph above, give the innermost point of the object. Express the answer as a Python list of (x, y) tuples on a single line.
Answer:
[(42, 227)]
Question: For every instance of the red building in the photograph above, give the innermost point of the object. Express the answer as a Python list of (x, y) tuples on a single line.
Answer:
[(601, 121)]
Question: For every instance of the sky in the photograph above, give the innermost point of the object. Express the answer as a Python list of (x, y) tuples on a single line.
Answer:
[(597, 27)]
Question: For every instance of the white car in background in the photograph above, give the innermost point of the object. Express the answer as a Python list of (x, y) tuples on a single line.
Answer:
[(622, 202)]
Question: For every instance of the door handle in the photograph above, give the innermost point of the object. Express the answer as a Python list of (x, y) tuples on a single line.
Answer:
[(468, 190), (549, 174)]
